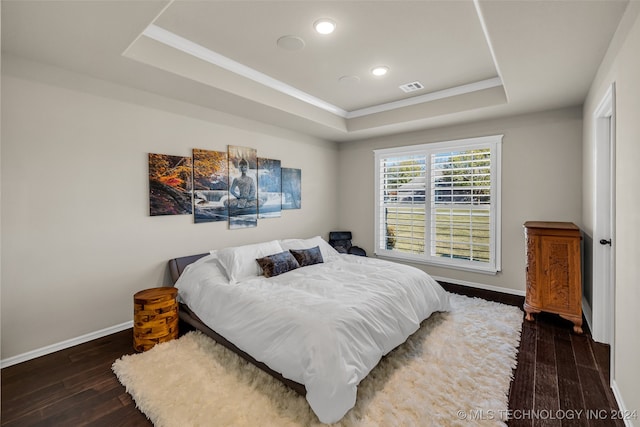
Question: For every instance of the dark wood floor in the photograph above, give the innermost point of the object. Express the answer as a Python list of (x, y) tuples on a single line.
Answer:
[(561, 379), (558, 375)]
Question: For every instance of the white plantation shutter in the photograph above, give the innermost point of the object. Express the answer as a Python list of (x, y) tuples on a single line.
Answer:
[(440, 203), (403, 193), (461, 204)]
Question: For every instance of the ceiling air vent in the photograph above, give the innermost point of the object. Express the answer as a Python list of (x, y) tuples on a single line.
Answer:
[(411, 87)]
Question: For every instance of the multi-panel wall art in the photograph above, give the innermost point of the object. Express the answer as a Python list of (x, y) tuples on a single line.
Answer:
[(243, 190), (235, 186), (169, 185), (291, 188), (269, 188), (210, 186)]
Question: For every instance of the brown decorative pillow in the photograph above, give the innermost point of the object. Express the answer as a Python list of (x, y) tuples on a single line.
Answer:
[(276, 264), (307, 256)]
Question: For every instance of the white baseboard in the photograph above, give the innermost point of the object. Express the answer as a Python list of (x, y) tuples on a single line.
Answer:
[(629, 422), (481, 286), (14, 360), (126, 325), (586, 311)]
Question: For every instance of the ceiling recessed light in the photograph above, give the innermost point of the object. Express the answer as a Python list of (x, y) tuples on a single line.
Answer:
[(379, 71), (324, 26)]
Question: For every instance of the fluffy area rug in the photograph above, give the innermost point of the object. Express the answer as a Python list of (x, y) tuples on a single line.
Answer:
[(458, 365)]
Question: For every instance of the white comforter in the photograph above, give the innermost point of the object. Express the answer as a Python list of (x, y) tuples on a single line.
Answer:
[(325, 325)]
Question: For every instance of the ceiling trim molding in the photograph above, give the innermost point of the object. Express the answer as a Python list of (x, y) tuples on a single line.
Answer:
[(427, 97), (187, 46), (487, 38)]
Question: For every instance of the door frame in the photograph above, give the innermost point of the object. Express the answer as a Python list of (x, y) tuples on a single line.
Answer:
[(603, 304)]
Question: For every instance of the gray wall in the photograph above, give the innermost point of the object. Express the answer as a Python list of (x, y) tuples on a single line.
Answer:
[(622, 67), (541, 180), (77, 238)]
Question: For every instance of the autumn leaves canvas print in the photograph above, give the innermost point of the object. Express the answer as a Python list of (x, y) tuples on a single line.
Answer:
[(169, 185)]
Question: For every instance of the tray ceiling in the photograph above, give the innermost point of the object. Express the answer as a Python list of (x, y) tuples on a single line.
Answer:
[(473, 59)]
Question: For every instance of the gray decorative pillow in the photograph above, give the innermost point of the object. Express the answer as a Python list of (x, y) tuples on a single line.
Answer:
[(276, 264), (307, 256)]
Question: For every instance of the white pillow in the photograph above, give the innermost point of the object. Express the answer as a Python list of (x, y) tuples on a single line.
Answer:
[(193, 276), (326, 249), (239, 262)]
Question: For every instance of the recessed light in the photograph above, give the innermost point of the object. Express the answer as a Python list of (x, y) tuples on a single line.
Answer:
[(324, 26), (379, 71)]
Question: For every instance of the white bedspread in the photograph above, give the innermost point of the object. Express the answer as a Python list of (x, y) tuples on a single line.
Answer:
[(325, 325)]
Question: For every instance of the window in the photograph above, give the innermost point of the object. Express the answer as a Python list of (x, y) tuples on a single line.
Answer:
[(440, 203)]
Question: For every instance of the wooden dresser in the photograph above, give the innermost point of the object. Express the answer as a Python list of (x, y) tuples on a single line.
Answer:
[(554, 279)]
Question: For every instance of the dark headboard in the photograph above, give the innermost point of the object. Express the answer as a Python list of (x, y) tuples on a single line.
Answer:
[(177, 265)]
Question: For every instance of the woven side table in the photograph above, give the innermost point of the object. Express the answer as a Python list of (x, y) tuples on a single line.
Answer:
[(155, 317)]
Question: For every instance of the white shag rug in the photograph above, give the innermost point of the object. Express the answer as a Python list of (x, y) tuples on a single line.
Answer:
[(456, 367)]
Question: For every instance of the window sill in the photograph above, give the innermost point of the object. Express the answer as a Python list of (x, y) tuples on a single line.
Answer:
[(489, 270)]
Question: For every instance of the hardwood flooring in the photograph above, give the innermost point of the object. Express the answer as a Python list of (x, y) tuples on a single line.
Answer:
[(558, 375), (561, 379)]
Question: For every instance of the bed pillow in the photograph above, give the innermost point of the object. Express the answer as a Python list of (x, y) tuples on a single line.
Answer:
[(193, 276), (276, 264), (307, 256), (328, 252), (239, 262)]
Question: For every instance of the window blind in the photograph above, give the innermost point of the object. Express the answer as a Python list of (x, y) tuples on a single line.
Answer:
[(403, 195), (439, 203), (461, 204)]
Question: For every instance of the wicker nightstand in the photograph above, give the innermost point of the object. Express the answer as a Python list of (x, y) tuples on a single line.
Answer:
[(155, 317)]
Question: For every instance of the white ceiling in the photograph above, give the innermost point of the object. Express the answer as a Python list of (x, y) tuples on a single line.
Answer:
[(475, 59)]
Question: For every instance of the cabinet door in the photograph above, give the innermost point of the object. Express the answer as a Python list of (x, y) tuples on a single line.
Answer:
[(560, 265)]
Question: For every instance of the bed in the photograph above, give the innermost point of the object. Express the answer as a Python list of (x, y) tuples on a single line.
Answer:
[(315, 319)]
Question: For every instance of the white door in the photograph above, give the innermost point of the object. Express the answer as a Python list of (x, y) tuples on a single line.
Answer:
[(604, 225)]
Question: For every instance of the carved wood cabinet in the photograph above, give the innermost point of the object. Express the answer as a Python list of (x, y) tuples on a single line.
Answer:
[(554, 279)]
